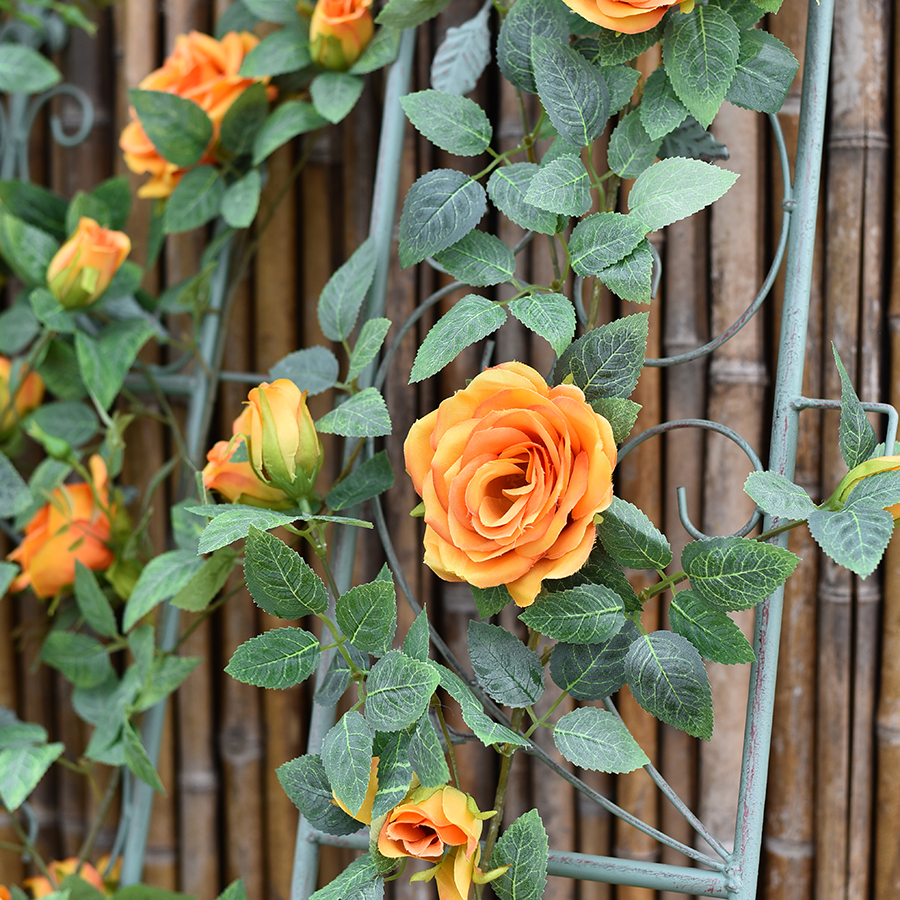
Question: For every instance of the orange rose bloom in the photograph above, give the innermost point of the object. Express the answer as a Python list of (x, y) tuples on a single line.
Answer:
[(626, 16), (512, 473), (70, 527), (4, 893), (85, 264), (201, 69), (28, 397), (40, 886), (236, 481), (339, 32)]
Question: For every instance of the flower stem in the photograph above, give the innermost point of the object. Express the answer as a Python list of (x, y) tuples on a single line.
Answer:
[(451, 753), (91, 837)]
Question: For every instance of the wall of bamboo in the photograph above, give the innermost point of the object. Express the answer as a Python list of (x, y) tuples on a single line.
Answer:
[(833, 818)]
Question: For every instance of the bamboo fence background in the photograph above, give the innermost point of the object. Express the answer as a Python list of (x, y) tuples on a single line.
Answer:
[(833, 817)]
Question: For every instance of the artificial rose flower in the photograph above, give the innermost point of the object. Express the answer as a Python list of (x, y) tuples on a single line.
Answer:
[(364, 813), (283, 446), (626, 16), (512, 473), (28, 397), (339, 32), (200, 69), (71, 526), (4, 893), (236, 481), (85, 264), (864, 470), (40, 885)]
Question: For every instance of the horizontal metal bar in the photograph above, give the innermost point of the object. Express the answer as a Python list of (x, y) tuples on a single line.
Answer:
[(606, 869), (883, 408)]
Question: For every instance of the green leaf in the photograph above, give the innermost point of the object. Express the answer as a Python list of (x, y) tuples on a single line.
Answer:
[(284, 12), (711, 631), (417, 639), (394, 770), (313, 369), (240, 201), (178, 128), (234, 891), (562, 186), (362, 415), (290, 119), (856, 436), (631, 539), (81, 659), (551, 316), (22, 768), (371, 478), (92, 602), (347, 759), (701, 54), (367, 614), (603, 239), (398, 691), (336, 679), (16, 733), (661, 111), (486, 730), (75, 423), (778, 496), (668, 679), (453, 123), (368, 345), (440, 208), (509, 671), (508, 187), (613, 48), (345, 291), (233, 521), (23, 70), (764, 74), (137, 760), (286, 50), (206, 582), (631, 150), (18, 328), (145, 892), (599, 740), (586, 614), (853, 538), (14, 494), (363, 871), (305, 782), (478, 259), (524, 847), (732, 573), (160, 579), (277, 659), (621, 80), (381, 51), (592, 671), (607, 361), (745, 13), (877, 491), (463, 55), (278, 578), (674, 189), (526, 21), (692, 141), (166, 675), (427, 756), (27, 249), (470, 319), (632, 278), (35, 205), (573, 92), (334, 94), (620, 413), (196, 200), (244, 119), (8, 572), (489, 601), (409, 13), (141, 643), (50, 311)]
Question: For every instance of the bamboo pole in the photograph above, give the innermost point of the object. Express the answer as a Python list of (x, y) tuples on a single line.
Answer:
[(737, 381), (887, 809)]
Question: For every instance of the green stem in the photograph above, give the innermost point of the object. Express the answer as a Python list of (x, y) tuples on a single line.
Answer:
[(543, 719), (451, 754), (31, 850), (91, 837), (25, 370)]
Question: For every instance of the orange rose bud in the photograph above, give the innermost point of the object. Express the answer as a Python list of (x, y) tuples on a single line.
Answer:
[(339, 32), (626, 16), (236, 481), (27, 396), (200, 69), (864, 470), (85, 264), (512, 473), (40, 885), (284, 448), (71, 527)]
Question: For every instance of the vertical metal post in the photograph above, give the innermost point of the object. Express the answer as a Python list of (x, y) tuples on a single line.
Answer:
[(783, 448)]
